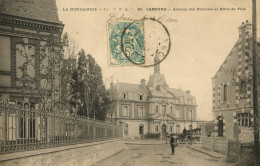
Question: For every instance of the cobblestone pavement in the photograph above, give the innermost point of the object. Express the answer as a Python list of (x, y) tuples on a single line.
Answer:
[(149, 155)]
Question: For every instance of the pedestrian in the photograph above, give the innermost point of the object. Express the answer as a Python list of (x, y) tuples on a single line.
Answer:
[(184, 132), (172, 141)]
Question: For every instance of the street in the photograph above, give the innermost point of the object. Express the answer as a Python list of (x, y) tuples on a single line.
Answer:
[(161, 155)]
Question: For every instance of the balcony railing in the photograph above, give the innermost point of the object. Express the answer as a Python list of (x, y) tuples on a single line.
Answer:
[(26, 129)]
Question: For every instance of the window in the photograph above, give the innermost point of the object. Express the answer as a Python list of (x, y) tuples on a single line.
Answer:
[(5, 55), (171, 129), (177, 113), (178, 101), (141, 97), (190, 127), (225, 93), (178, 129), (141, 111), (171, 110), (157, 88), (125, 95), (243, 119), (182, 114), (156, 109), (164, 109), (242, 86), (125, 110), (190, 114), (126, 129), (156, 129)]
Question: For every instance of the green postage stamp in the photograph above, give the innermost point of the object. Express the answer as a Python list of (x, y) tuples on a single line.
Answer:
[(126, 43)]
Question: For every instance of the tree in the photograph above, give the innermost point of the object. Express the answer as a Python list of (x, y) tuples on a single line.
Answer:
[(90, 97), (113, 98), (68, 68)]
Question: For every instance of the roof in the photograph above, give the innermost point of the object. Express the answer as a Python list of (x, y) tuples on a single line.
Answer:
[(43, 10), (258, 41), (180, 93), (129, 87), (137, 89), (157, 78)]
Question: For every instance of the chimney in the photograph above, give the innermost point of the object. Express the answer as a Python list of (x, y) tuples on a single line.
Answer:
[(143, 83), (188, 91), (245, 29)]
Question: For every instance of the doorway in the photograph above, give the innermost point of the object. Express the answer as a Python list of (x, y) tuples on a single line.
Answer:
[(220, 126), (163, 128), (141, 129)]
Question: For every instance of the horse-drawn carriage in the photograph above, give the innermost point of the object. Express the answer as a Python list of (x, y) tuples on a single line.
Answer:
[(191, 136)]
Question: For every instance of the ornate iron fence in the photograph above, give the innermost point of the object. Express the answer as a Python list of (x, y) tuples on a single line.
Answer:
[(22, 128)]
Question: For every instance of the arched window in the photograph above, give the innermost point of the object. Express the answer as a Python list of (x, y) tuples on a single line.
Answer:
[(164, 109), (163, 128), (171, 129), (190, 115), (156, 109), (178, 129), (156, 128), (220, 126), (125, 110)]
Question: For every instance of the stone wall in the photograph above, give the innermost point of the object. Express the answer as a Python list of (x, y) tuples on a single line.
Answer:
[(207, 143), (220, 145), (72, 155), (217, 144)]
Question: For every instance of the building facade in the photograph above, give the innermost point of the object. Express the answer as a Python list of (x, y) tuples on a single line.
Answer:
[(153, 107), (232, 90), (30, 35)]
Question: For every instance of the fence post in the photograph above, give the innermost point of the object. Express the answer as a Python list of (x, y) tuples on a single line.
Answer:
[(105, 132), (228, 151), (94, 130)]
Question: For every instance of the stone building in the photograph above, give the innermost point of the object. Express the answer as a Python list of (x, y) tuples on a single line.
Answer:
[(30, 33), (232, 90), (153, 107)]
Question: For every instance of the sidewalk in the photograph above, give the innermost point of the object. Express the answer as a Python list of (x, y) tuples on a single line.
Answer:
[(198, 147), (145, 141)]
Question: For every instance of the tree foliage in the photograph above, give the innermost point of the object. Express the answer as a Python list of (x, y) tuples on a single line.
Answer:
[(90, 97)]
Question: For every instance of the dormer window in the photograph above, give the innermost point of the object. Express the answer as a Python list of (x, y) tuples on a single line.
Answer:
[(125, 96), (157, 88), (141, 97)]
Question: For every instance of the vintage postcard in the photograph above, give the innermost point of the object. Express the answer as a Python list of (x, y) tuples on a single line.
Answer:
[(129, 82)]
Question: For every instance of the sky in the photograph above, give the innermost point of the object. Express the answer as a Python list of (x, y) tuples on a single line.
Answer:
[(201, 40)]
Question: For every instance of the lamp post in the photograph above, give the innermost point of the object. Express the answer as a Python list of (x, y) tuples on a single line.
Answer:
[(255, 85), (191, 117)]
